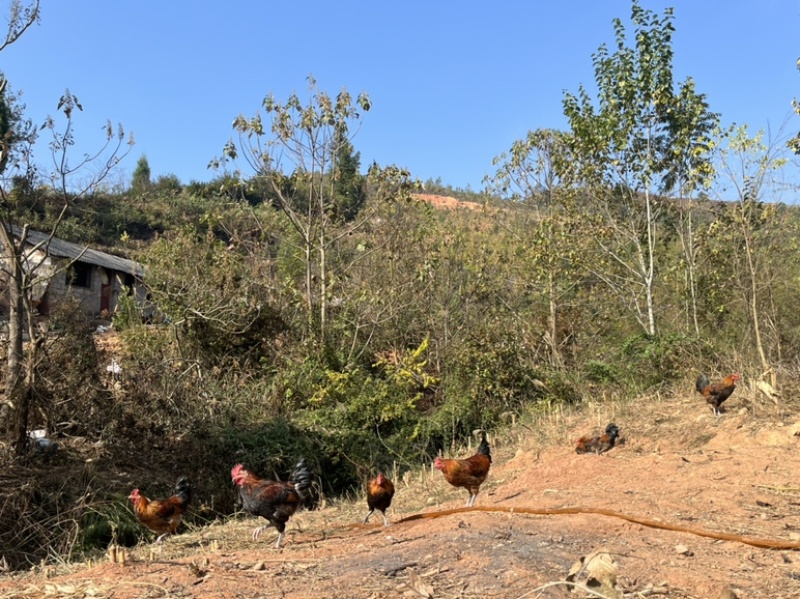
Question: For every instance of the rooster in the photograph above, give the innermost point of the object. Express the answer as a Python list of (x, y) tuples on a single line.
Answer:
[(163, 516), (599, 443), (718, 392), (468, 473), (274, 500), (380, 491)]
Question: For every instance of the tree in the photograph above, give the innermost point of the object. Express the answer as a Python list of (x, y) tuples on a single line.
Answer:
[(21, 274), (625, 147), (531, 175), (141, 176), (349, 187), (692, 129), (216, 300), (794, 143), (293, 156), (745, 228), (21, 17)]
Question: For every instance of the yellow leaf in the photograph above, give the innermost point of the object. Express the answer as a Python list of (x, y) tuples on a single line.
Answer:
[(600, 571)]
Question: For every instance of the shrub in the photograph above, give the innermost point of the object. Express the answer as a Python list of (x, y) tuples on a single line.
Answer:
[(598, 371), (651, 360)]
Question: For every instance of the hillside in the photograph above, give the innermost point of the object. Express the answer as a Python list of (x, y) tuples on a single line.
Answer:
[(446, 202), (679, 465)]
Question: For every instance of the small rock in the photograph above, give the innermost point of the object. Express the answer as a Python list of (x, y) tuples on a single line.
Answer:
[(682, 550)]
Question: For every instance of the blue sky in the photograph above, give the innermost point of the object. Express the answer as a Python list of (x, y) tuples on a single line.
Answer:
[(453, 84)]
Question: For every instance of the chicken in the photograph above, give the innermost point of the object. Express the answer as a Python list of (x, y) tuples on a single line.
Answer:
[(163, 516), (274, 500), (380, 491), (468, 473), (718, 392), (599, 443)]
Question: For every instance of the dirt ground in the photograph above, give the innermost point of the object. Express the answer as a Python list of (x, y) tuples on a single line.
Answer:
[(446, 202), (680, 465)]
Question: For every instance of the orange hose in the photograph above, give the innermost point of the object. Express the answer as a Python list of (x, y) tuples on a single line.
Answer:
[(699, 532)]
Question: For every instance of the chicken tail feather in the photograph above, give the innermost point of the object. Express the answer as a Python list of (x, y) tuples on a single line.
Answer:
[(183, 490), (302, 479), (701, 383), (483, 448)]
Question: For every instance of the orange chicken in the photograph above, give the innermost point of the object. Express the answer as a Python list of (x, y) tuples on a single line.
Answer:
[(380, 491), (599, 443), (163, 516), (468, 473)]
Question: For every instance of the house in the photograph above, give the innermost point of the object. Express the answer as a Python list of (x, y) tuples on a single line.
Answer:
[(96, 279)]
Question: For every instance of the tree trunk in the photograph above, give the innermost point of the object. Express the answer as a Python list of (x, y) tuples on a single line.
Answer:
[(323, 289), (15, 390), (650, 273), (754, 313), (309, 286), (555, 354), (690, 261)]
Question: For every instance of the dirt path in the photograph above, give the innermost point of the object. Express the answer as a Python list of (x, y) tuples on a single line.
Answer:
[(735, 474)]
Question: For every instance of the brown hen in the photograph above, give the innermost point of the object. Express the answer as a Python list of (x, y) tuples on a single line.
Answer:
[(468, 473), (380, 491), (163, 516), (718, 392)]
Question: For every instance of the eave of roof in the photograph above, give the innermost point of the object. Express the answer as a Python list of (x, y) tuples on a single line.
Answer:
[(73, 251)]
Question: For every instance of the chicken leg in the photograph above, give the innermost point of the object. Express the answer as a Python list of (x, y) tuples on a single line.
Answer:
[(385, 519), (257, 532)]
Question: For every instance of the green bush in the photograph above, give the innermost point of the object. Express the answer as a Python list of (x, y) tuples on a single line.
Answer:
[(651, 360), (598, 371), (112, 522), (127, 314), (486, 378)]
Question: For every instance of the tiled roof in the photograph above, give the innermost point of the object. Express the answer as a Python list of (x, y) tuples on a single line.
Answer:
[(80, 253)]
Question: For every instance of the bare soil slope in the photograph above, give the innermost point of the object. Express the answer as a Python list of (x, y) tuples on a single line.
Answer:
[(737, 474)]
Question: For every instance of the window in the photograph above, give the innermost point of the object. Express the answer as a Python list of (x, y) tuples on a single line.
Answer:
[(80, 275), (130, 281)]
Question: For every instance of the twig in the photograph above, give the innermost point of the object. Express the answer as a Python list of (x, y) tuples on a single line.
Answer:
[(556, 583), (149, 584), (780, 489)]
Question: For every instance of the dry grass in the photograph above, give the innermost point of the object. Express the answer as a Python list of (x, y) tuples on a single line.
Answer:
[(651, 425), (648, 423)]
